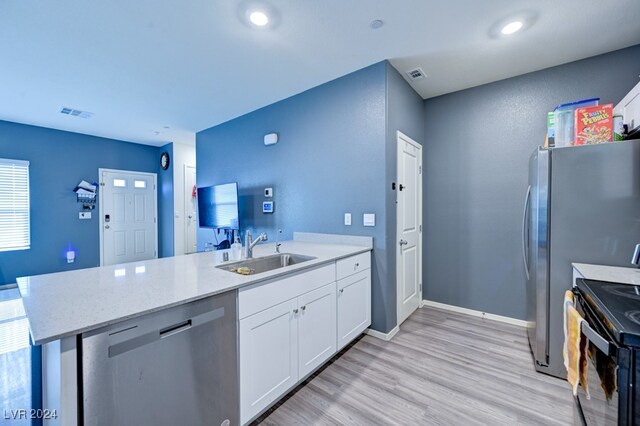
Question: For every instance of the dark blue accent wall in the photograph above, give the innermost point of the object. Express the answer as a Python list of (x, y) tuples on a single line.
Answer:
[(477, 146), (330, 160), (405, 113), (59, 160), (165, 205), (336, 154)]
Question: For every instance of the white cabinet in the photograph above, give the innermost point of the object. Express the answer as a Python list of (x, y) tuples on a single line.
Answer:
[(281, 344), (268, 357), (316, 328), (354, 306), (292, 325)]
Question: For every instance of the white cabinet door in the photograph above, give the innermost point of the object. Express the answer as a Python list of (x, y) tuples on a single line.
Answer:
[(268, 357), (354, 306), (316, 328)]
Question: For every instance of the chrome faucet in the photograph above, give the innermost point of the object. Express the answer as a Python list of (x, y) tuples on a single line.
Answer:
[(277, 243), (249, 243)]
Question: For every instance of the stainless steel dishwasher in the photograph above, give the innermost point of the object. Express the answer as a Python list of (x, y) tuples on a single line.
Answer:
[(174, 367)]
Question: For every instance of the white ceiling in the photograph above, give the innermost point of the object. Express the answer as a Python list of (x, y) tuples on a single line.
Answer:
[(141, 65)]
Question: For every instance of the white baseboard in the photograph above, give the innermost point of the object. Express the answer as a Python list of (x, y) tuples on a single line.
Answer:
[(383, 336), (480, 314)]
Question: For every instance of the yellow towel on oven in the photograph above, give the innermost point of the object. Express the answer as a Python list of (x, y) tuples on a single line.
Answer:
[(569, 300), (576, 345)]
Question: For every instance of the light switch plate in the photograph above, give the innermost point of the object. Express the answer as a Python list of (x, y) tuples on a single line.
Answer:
[(347, 218), (369, 219), (268, 192), (84, 215)]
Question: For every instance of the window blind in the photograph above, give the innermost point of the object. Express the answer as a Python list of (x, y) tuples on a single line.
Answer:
[(14, 205)]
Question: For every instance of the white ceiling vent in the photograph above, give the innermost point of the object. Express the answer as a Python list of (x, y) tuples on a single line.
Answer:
[(76, 112), (416, 74)]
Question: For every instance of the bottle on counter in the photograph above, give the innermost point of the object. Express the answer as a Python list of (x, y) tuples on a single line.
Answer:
[(236, 249)]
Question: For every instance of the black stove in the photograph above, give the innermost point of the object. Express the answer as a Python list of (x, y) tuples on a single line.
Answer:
[(612, 313), (617, 305)]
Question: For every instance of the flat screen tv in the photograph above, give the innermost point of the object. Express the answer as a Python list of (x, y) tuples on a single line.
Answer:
[(218, 206)]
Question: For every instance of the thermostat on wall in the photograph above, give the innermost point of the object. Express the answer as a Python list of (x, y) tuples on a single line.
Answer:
[(267, 207), (270, 139)]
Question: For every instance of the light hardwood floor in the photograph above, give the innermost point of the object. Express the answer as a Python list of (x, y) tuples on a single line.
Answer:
[(442, 368)]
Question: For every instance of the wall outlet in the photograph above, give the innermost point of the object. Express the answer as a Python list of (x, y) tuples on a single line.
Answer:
[(267, 207), (84, 215), (347, 219), (369, 219)]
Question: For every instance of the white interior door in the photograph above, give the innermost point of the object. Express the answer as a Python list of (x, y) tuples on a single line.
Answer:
[(409, 227), (128, 212), (190, 205)]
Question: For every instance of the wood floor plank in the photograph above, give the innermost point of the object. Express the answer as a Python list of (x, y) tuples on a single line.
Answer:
[(442, 368)]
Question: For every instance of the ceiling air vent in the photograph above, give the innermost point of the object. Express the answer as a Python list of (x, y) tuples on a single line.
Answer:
[(75, 112), (416, 74)]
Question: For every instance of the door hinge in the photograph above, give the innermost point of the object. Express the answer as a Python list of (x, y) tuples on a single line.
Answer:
[(155, 253), (154, 220), (101, 183), (420, 169), (420, 228)]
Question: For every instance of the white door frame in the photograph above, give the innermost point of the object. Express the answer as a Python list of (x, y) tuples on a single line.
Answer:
[(186, 170), (101, 202), (401, 137)]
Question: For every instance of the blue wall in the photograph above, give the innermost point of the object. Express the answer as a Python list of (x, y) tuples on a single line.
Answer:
[(165, 205), (405, 112), (330, 160), (59, 160), (477, 146)]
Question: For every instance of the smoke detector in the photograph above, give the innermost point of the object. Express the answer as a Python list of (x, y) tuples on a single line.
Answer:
[(75, 112), (416, 74)]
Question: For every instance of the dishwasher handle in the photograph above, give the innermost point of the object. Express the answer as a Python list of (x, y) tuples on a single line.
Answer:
[(139, 340), (175, 329)]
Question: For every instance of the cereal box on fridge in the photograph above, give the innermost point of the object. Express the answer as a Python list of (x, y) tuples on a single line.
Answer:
[(594, 125)]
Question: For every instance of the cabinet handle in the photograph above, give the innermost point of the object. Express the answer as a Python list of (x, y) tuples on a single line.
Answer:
[(341, 290), (295, 311), (356, 266), (303, 307)]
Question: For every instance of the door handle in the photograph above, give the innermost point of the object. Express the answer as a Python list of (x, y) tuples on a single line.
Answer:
[(524, 227), (106, 227), (403, 242)]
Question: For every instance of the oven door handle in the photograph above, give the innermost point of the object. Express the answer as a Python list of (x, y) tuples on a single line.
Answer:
[(599, 341)]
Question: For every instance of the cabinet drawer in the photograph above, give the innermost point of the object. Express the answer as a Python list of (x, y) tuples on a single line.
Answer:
[(269, 293), (353, 264)]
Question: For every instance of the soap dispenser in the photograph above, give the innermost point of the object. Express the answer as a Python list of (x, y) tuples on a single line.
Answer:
[(236, 249)]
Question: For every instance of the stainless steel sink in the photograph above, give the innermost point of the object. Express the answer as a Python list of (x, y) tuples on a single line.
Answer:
[(267, 263)]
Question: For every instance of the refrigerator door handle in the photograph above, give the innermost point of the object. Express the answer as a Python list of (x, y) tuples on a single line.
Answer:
[(524, 230)]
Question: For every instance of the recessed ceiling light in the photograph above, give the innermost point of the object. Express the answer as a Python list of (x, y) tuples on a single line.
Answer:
[(512, 27), (258, 18), (375, 24)]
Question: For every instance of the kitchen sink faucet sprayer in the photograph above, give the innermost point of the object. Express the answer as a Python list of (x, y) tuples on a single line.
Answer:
[(249, 243)]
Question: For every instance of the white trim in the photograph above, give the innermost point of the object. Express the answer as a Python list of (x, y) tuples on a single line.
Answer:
[(383, 336), (186, 210), (10, 162), (101, 199), (472, 312)]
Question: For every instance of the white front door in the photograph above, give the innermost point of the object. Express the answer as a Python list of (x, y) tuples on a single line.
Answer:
[(128, 227), (190, 205), (409, 227)]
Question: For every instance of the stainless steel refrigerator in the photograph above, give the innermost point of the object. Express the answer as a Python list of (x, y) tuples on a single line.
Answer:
[(582, 205)]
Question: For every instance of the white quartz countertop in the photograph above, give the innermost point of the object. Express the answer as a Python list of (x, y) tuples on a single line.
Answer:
[(616, 274), (69, 303)]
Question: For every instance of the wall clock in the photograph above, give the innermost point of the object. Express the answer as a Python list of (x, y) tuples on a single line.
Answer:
[(164, 160)]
